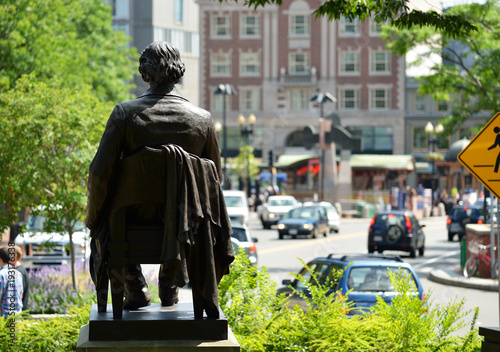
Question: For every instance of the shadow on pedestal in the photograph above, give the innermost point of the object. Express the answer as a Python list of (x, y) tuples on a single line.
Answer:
[(156, 328)]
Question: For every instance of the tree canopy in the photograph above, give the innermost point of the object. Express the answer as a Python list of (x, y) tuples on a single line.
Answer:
[(72, 39), (469, 74), (396, 12)]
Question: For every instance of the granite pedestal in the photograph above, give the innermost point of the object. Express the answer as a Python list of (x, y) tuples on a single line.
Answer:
[(155, 328)]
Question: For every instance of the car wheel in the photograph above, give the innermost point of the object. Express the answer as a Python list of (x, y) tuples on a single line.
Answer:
[(266, 225), (315, 233), (371, 250), (326, 232), (450, 236), (281, 236), (421, 250), (413, 252), (394, 233)]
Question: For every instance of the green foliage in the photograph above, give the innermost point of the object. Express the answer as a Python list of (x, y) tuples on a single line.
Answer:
[(55, 334), (395, 12), (72, 39), (245, 161), (469, 77), (408, 324)]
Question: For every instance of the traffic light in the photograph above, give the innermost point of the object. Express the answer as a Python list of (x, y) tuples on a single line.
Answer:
[(271, 158)]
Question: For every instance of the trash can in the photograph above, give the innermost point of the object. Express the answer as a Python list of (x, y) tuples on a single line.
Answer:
[(463, 251), (359, 208)]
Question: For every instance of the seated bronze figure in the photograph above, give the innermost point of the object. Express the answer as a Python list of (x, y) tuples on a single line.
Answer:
[(154, 195)]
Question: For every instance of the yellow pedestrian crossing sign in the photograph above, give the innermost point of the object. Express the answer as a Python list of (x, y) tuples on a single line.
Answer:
[(482, 155)]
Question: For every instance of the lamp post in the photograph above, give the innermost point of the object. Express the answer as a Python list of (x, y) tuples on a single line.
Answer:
[(246, 132), (433, 140), (224, 90), (322, 98)]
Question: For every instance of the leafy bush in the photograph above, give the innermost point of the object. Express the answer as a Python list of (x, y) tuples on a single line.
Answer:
[(57, 334), (261, 321), (51, 290)]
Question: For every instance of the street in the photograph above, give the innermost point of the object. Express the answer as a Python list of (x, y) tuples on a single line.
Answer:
[(280, 257)]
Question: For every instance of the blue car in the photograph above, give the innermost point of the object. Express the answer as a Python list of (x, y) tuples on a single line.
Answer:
[(304, 221), (365, 278)]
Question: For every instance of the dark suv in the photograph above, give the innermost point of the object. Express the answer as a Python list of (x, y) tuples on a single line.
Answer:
[(461, 215), (396, 230), (365, 278)]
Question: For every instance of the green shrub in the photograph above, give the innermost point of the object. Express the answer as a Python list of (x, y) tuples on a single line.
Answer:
[(261, 321), (56, 334)]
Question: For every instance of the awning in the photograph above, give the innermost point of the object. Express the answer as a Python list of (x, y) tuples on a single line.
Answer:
[(386, 162), (287, 160), (266, 176)]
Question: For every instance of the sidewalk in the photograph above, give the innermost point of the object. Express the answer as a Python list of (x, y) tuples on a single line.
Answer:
[(454, 277)]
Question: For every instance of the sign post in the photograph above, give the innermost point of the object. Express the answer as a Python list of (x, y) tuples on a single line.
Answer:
[(482, 158)]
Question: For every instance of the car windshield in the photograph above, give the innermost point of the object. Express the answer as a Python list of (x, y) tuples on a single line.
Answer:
[(234, 201), (239, 234), (35, 224), (374, 278), (280, 202), (303, 213), (389, 219)]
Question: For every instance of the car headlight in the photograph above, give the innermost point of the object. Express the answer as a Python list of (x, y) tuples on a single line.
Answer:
[(281, 226), (308, 226), (272, 215)]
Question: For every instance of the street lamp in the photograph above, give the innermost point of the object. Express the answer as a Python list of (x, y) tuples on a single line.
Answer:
[(433, 140), (246, 132), (321, 99), (224, 89)]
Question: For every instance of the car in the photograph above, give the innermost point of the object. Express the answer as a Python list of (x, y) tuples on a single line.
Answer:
[(461, 215), (396, 230), (331, 212), (365, 277), (304, 221), (42, 248), (237, 206), (275, 208), (241, 238)]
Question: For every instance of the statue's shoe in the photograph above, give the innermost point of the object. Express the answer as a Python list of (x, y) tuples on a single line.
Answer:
[(169, 296)]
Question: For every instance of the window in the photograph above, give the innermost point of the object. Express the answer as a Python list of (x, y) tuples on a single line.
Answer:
[(179, 10), (419, 103), (250, 27), (380, 62), (299, 63), (349, 99), (249, 99), (348, 27), (217, 102), (380, 99), (221, 27), (376, 140), (299, 25), (376, 28), (349, 62), (419, 138), (442, 106), (249, 64), (299, 99), (220, 64)]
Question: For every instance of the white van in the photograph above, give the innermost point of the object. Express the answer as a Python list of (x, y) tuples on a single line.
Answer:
[(42, 248), (237, 206)]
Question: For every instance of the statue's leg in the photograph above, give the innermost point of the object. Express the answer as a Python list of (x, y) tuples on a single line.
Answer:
[(136, 289), (201, 304), (167, 291), (102, 291), (117, 279)]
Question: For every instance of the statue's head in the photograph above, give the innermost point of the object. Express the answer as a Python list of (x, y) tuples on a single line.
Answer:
[(160, 62)]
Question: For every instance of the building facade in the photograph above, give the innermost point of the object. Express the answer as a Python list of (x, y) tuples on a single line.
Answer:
[(278, 57), (175, 21)]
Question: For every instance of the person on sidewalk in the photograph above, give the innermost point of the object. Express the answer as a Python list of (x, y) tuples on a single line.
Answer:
[(18, 265), (11, 286), (159, 117)]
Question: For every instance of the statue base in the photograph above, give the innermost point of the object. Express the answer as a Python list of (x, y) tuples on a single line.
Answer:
[(155, 328)]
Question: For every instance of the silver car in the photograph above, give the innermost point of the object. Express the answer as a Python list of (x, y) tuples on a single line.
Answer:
[(332, 213)]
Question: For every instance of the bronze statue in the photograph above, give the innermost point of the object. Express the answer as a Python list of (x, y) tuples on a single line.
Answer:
[(160, 119)]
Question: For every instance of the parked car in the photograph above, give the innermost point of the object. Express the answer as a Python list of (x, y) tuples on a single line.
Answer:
[(365, 277), (396, 230), (331, 212), (461, 215), (42, 248), (241, 239), (304, 221), (275, 208), (237, 206)]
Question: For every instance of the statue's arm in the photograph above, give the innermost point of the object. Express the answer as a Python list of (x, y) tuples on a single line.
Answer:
[(102, 168), (212, 150)]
